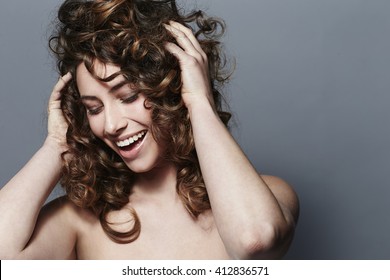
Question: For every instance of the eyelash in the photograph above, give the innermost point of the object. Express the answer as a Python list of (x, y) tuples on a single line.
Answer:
[(126, 100), (130, 99), (94, 111)]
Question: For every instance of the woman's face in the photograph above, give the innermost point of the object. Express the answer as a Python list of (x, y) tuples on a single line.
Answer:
[(118, 117)]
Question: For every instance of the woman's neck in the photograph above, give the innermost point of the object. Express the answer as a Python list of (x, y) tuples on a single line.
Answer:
[(159, 183)]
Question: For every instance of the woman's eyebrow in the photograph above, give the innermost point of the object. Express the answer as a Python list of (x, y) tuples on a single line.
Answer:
[(111, 91), (88, 97), (118, 86)]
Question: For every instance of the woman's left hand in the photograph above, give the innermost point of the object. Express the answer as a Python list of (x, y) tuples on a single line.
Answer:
[(196, 87)]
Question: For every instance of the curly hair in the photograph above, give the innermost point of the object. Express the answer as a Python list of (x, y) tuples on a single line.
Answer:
[(131, 35)]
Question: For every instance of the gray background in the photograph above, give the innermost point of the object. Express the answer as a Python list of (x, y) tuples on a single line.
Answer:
[(310, 96)]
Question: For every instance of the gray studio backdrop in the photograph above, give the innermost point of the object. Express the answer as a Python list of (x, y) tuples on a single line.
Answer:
[(310, 95)]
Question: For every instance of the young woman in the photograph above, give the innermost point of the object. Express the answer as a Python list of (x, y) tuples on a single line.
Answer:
[(137, 136)]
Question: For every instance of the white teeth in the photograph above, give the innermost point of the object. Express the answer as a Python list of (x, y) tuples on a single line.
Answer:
[(131, 140)]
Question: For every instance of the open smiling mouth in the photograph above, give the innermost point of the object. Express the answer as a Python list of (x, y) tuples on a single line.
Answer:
[(132, 142)]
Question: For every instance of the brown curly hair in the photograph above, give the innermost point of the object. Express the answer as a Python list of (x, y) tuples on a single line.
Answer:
[(131, 35)]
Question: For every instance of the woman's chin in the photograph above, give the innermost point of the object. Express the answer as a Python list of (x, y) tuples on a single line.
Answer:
[(139, 167)]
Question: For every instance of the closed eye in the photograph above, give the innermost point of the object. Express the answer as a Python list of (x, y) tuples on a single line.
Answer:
[(91, 104), (130, 99), (94, 111)]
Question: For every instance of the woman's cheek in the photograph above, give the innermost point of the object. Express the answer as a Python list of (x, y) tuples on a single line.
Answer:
[(96, 124)]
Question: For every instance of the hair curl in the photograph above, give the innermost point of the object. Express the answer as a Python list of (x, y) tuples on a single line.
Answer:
[(131, 34)]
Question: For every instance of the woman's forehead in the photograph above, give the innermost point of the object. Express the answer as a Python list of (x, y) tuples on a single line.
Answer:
[(102, 70), (87, 83)]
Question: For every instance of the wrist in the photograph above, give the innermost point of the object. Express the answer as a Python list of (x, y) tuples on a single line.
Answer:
[(54, 146), (201, 106)]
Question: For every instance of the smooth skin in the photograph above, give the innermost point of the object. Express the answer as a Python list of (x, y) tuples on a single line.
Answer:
[(252, 216)]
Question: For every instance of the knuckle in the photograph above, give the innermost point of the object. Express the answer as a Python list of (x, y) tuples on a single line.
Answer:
[(204, 56), (187, 31), (181, 35), (198, 57), (191, 60)]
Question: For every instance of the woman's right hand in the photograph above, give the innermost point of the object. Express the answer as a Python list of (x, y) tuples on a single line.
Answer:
[(57, 125)]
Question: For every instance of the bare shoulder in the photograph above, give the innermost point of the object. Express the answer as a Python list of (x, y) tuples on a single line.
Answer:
[(61, 203), (65, 209), (284, 193), (56, 231)]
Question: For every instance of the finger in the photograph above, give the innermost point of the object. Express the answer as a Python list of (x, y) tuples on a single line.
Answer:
[(181, 38), (59, 86), (184, 41), (178, 52), (188, 33)]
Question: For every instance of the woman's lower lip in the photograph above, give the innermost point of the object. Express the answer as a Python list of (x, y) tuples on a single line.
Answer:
[(134, 151)]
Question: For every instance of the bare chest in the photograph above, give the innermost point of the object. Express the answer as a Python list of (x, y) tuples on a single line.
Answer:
[(161, 237)]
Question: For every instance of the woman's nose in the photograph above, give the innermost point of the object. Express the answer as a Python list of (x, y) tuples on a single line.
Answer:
[(115, 121)]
